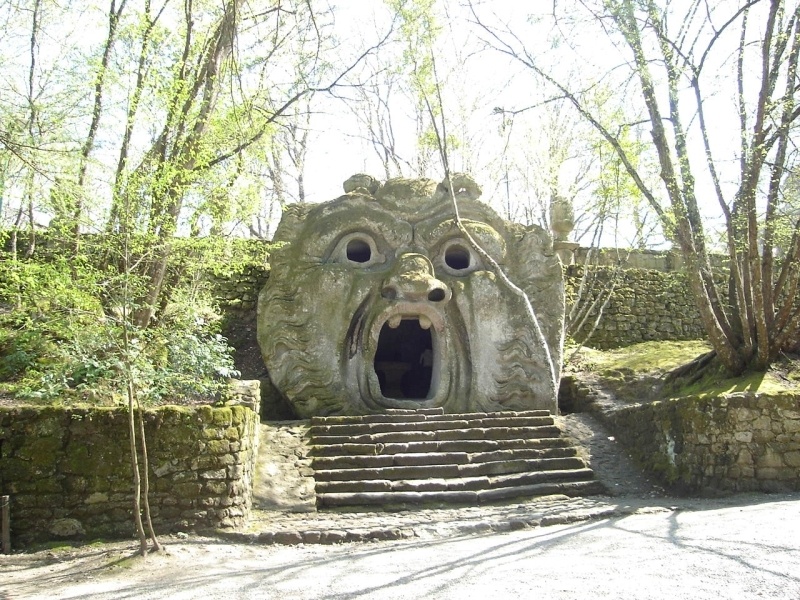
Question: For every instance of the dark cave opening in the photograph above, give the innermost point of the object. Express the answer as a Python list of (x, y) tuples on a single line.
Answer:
[(404, 361)]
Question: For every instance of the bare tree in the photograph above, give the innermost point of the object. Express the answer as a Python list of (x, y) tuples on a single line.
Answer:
[(675, 56)]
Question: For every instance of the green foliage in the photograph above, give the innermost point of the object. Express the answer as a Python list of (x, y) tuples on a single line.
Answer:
[(62, 328)]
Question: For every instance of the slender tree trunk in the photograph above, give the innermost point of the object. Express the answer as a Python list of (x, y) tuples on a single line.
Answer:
[(114, 15), (146, 479), (137, 483)]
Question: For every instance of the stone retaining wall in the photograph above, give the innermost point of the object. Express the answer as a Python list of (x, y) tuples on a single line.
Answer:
[(647, 305), (68, 470), (738, 442), (659, 260), (239, 291)]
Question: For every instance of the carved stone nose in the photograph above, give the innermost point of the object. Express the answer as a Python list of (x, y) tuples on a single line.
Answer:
[(412, 279)]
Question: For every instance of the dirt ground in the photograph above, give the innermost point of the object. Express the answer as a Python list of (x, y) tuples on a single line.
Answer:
[(740, 547)]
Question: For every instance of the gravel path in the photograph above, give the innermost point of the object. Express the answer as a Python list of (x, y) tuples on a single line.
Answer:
[(735, 548)]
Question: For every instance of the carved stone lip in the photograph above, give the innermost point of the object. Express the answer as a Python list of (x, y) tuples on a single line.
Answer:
[(441, 376)]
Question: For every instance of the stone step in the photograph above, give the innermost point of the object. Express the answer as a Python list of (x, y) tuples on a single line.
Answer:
[(416, 416), (412, 457), (453, 484), (402, 499), (477, 433), (353, 429), (344, 449), (450, 470), (535, 477), (435, 458)]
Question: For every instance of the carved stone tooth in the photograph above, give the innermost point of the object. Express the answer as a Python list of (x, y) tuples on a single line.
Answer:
[(424, 322), (394, 322)]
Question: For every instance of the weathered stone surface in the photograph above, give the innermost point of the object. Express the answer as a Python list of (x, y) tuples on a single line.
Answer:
[(81, 487), (376, 300), (397, 477), (66, 528), (647, 305), (734, 442)]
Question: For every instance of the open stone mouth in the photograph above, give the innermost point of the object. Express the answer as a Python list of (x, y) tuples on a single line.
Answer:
[(405, 358)]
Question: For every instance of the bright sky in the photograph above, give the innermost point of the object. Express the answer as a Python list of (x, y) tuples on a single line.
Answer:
[(546, 150)]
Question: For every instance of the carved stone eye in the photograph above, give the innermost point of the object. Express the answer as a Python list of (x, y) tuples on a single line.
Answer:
[(457, 257), (358, 251)]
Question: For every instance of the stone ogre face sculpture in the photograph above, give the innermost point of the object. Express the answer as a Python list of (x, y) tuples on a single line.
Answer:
[(376, 301)]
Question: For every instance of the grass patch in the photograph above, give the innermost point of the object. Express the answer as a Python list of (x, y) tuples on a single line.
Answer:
[(782, 377), (647, 358), (637, 371)]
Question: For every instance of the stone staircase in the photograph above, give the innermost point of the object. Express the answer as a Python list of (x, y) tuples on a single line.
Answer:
[(419, 457)]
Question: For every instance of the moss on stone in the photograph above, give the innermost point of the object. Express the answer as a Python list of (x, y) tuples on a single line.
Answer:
[(81, 469), (41, 452), (205, 414), (222, 415)]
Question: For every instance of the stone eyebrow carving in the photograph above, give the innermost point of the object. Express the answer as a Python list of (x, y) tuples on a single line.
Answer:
[(323, 232), (441, 235)]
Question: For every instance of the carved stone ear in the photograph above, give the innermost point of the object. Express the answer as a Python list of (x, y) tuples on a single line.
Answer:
[(292, 219), (464, 187)]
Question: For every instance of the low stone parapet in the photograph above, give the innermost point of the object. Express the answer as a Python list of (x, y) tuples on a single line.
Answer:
[(69, 475), (737, 442)]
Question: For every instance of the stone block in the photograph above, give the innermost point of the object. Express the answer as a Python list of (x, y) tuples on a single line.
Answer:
[(214, 474), (97, 497), (210, 502), (332, 537), (792, 459), (186, 491), (184, 476), (769, 459), (288, 538), (763, 437), (312, 537), (67, 528), (745, 458), (791, 426), (767, 473), (218, 446), (762, 423), (165, 468), (744, 415)]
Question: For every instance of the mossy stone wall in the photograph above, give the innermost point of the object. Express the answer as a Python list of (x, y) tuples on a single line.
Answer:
[(239, 291), (647, 305), (68, 470), (737, 442)]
